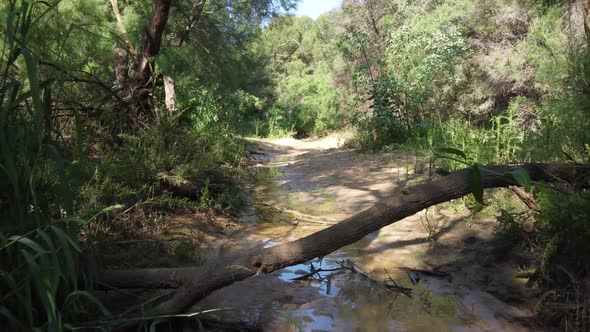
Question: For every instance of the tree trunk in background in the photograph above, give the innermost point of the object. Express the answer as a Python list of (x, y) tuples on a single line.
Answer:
[(151, 42), (194, 283), (121, 25), (121, 53), (371, 16), (587, 20), (121, 65), (135, 89), (170, 93)]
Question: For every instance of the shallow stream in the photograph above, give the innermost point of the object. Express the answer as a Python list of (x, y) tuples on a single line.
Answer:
[(341, 300)]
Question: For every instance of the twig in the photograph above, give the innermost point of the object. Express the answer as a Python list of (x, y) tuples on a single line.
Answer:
[(316, 271), (396, 287), (569, 157), (432, 273), (76, 79)]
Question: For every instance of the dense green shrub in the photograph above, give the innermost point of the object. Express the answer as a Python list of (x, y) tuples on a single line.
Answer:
[(183, 145), (563, 230), (500, 80), (303, 95)]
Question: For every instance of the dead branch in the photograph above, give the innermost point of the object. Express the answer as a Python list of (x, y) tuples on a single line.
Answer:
[(315, 271), (390, 284), (298, 216), (526, 198), (431, 273)]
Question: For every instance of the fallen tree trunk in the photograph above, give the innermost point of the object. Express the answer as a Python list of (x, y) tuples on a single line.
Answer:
[(194, 283)]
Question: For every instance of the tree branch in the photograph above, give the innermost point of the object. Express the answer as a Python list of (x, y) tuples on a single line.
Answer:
[(121, 25), (197, 11)]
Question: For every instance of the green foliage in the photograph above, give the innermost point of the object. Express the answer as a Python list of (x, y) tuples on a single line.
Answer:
[(300, 55), (312, 102), (417, 72), (276, 130), (558, 237), (210, 121), (512, 92), (205, 201), (563, 230), (521, 177), (40, 252), (275, 125), (184, 145), (509, 229), (498, 140)]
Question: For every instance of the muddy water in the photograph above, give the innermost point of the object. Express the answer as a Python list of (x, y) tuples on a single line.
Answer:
[(341, 300)]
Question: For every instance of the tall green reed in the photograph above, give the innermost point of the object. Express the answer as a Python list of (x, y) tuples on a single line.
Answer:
[(42, 276)]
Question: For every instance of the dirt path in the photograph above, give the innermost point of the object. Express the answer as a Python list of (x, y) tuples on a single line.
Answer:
[(317, 172), (323, 182)]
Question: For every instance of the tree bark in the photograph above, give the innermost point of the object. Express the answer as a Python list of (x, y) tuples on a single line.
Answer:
[(194, 283), (170, 93), (121, 66), (122, 54), (150, 47), (587, 20)]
